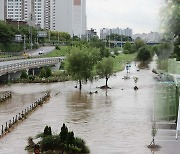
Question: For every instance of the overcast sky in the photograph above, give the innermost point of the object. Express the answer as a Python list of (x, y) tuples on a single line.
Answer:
[(140, 15)]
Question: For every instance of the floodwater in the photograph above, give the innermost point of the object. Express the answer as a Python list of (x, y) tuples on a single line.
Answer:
[(113, 121)]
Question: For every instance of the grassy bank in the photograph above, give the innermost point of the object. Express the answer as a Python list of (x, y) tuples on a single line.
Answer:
[(63, 50), (121, 60)]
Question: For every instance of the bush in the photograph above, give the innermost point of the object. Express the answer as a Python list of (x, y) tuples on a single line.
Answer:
[(58, 48), (31, 77), (47, 131), (24, 75), (50, 143), (42, 73), (144, 54), (11, 47), (48, 72)]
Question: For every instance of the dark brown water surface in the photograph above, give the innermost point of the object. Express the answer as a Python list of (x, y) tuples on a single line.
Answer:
[(113, 121)]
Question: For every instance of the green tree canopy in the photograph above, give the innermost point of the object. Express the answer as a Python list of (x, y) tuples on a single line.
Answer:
[(80, 62), (6, 33), (170, 23), (105, 68), (24, 75), (144, 54), (139, 43), (127, 48)]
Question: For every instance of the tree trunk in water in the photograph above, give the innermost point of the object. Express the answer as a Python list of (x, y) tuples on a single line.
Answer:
[(80, 84), (106, 81)]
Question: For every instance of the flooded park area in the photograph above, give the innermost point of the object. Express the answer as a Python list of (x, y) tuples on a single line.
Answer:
[(116, 120)]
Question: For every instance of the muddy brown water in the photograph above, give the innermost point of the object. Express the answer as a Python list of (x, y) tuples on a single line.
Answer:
[(117, 120)]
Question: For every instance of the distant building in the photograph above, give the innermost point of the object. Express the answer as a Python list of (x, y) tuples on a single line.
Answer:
[(152, 37), (105, 32), (60, 15), (35, 12), (91, 33), (1, 9), (71, 16), (127, 32)]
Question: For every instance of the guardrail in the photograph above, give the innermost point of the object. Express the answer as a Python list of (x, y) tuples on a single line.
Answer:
[(28, 64), (5, 96)]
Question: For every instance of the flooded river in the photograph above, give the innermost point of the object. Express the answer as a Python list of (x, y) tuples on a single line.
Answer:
[(117, 120)]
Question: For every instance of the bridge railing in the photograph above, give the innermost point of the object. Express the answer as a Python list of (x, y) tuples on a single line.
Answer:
[(28, 64)]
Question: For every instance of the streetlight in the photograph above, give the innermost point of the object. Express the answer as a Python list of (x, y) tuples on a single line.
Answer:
[(24, 42)]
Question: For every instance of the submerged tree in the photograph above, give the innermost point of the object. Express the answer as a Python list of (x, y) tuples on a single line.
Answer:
[(153, 133), (105, 68), (80, 63), (144, 54)]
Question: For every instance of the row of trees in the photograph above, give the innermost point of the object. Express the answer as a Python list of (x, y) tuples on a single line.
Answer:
[(84, 64), (8, 32)]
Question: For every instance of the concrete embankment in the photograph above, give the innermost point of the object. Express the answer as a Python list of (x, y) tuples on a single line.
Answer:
[(18, 118)]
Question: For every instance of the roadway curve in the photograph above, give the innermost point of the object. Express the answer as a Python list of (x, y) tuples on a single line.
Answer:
[(46, 49)]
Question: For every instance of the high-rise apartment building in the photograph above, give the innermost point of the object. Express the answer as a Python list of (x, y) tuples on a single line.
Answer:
[(105, 32), (1, 9), (35, 12), (61, 15), (71, 16)]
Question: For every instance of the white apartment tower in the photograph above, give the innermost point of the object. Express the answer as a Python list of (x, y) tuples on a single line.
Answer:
[(39, 12), (71, 16)]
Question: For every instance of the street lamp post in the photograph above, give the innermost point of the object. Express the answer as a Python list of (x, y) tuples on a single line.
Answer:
[(24, 42)]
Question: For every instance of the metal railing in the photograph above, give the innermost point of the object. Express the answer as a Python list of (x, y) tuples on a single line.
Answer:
[(28, 64)]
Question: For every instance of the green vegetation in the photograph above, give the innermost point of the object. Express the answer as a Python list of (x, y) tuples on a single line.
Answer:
[(62, 51), (24, 75), (121, 59), (8, 32), (144, 54), (80, 63), (105, 68), (64, 142), (45, 76), (171, 25)]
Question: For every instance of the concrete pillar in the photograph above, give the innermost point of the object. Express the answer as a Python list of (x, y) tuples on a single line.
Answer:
[(33, 71), (8, 77), (27, 71)]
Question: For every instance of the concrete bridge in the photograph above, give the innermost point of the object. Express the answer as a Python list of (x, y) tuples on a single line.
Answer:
[(12, 69)]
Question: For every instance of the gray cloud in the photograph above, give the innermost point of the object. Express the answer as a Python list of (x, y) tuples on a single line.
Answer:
[(141, 15)]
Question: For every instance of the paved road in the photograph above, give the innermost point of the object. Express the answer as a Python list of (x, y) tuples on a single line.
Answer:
[(45, 49), (24, 60)]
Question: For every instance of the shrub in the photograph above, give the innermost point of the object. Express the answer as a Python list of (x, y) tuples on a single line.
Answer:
[(144, 54), (47, 131), (48, 72), (58, 48), (50, 143), (42, 73), (31, 77), (24, 75), (64, 133)]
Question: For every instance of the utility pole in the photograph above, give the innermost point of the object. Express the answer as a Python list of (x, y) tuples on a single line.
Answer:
[(31, 37), (58, 38), (24, 42), (109, 40)]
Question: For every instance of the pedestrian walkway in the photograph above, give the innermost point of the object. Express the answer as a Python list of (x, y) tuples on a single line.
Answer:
[(166, 139)]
